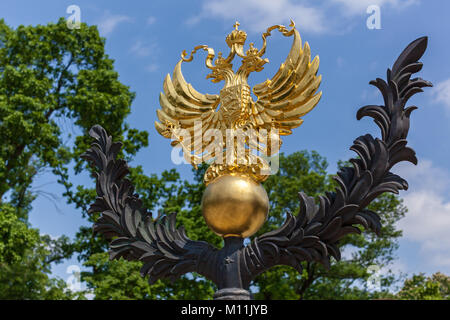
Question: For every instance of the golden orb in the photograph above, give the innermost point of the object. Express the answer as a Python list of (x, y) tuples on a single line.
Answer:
[(234, 205)]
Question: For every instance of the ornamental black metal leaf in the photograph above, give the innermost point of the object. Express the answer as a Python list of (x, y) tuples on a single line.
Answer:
[(165, 250), (314, 234)]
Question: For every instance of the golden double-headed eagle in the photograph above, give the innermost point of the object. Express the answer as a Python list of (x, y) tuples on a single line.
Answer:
[(201, 123)]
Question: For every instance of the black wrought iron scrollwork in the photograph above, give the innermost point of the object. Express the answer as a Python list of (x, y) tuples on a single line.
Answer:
[(165, 250), (312, 235)]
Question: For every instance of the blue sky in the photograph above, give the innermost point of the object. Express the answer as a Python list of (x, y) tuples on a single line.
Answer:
[(146, 38)]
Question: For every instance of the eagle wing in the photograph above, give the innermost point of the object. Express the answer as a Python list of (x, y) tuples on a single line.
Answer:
[(291, 93), (183, 106)]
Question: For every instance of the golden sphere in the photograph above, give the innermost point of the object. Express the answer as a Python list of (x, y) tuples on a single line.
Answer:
[(235, 206)]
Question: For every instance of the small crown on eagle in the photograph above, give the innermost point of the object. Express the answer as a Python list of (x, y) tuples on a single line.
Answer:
[(236, 36)]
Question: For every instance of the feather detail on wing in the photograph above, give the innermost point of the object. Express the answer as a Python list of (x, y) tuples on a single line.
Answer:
[(291, 93), (183, 107)]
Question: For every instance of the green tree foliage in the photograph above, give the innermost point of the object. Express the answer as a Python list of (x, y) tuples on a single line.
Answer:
[(420, 287), (25, 258), (50, 77)]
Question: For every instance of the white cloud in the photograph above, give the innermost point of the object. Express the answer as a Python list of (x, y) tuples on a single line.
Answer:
[(358, 7), (151, 20), (347, 252), (424, 177), (90, 296), (427, 221), (370, 94), (148, 50), (314, 17), (152, 67), (442, 261), (110, 21), (397, 267), (143, 50), (441, 93), (259, 14)]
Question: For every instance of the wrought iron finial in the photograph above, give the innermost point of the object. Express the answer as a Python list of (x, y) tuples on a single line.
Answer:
[(311, 235)]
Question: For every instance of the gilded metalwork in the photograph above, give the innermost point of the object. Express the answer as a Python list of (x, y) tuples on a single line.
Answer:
[(235, 205), (312, 235), (282, 101)]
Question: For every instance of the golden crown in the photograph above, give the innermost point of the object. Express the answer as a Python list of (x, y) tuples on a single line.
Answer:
[(236, 36)]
